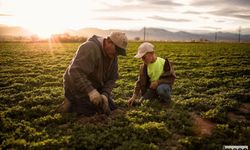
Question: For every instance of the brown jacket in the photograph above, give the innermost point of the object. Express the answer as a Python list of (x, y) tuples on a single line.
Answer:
[(91, 69), (143, 82)]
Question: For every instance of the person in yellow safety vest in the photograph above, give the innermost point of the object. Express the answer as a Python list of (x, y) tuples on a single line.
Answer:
[(156, 76)]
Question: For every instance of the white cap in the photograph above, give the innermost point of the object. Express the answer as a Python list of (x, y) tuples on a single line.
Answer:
[(121, 42), (143, 49)]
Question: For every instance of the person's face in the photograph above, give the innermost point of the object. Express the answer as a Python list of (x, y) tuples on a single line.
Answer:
[(110, 49), (147, 58)]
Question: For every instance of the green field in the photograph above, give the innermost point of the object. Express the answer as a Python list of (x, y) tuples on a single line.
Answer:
[(212, 85)]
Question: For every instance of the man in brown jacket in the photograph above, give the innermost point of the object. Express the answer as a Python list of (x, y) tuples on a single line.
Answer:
[(156, 76), (91, 76)]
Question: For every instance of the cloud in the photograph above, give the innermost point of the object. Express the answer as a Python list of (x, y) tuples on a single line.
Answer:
[(163, 2), (220, 21), (226, 8), (154, 2), (242, 16), (192, 12), (210, 27), (140, 5), (232, 12), (120, 8), (5, 14), (168, 19), (219, 3), (114, 18)]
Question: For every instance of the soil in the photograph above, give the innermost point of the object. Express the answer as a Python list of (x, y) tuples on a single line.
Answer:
[(202, 127), (100, 118), (241, 114), (245, 108)]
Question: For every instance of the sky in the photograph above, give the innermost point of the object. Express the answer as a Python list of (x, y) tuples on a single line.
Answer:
[(45, 17)]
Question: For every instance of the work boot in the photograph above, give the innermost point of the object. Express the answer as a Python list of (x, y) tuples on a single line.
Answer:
[(166, 101), (64, 107)]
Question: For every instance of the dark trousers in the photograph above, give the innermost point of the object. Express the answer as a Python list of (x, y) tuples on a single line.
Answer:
[(162, 92), (81, 104)]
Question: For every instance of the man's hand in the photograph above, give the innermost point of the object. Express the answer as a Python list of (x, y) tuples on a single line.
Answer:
[(154, 85), (132, 100), (95, 97), (105, 105)]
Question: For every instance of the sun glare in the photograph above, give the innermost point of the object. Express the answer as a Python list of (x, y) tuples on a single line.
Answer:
[(44, 32), (44, 35), (47, 17)]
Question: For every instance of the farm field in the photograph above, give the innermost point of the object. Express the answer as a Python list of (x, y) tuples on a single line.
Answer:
[(210, 108)]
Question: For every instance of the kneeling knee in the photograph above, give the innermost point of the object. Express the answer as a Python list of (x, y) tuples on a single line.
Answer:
[(163, 90)]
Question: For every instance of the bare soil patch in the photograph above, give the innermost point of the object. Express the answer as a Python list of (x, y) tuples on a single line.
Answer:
[(202, 127), (241, 115), (100, 118)]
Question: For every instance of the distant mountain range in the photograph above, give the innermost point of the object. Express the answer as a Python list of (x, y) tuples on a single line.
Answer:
[(13, 31), (164, 35), (150, 34)]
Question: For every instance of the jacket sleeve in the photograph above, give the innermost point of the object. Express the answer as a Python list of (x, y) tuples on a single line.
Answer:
[(110, 83), (168, 77), (82, 65)]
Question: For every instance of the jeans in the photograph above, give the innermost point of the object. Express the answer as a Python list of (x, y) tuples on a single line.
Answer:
[(163, 92)]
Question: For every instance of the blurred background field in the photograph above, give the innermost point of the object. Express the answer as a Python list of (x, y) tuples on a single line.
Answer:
[(212, 88)]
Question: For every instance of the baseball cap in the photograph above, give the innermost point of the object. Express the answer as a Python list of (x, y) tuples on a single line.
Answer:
[(121, 41), (143, 49)]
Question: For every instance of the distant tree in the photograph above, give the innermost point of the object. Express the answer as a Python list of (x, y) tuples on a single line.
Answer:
[(66, 38), (137, 38), (34, 38), (203, 40)]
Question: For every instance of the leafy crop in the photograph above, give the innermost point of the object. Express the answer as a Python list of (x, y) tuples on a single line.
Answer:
[(212, 80)]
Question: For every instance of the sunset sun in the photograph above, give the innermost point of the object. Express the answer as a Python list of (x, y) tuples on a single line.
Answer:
[(44, 18), (42, 32)]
